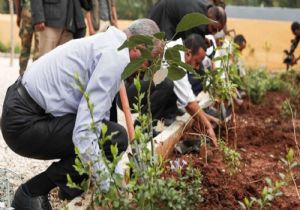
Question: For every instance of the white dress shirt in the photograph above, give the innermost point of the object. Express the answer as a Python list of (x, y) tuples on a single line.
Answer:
[(50, 82), (182, 87)]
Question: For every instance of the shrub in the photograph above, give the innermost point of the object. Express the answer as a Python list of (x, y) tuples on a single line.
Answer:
[(257, 83)]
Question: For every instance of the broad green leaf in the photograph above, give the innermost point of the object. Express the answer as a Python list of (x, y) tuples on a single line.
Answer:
[(192, 20), (172, 55), (160, 35), (132, 67), (146, 53), (147, 76), (186, 66), (136, 40), (179, 47), (175, 72)]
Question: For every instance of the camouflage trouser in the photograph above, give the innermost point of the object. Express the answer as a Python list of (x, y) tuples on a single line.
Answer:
[(26, 33)]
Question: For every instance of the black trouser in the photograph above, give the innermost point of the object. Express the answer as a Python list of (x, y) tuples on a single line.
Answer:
[(32, 133)]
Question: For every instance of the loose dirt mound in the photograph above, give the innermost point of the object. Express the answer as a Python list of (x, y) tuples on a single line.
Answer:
[(263, 138)]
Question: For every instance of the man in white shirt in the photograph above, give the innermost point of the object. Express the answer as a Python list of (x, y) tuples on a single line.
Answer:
[(165, 95), (44, 114)]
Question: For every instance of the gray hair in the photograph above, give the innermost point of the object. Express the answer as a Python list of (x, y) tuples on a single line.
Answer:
[(142, 27)]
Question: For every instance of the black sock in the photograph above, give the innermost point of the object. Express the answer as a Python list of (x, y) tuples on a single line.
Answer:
[(39, 185)]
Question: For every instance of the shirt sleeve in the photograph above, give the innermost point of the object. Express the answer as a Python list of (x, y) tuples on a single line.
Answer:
[(182, 87), (102, 87), (184, 92)]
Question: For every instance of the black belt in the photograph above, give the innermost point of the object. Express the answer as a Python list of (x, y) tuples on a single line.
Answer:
[(25, 96)]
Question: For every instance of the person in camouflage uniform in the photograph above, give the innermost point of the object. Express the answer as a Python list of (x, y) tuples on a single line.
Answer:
[(26, 33), (103, 15)]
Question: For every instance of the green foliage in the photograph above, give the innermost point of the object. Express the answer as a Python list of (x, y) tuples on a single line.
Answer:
[(231, 157), (176, 68), (6, 48), (190, 21), (267, 195), (257, 83), (149, 188), (221, 83), (289, 160), (292, 83), (132, 9), (272, 190), (132, 67), (276, 83), (4, 6), (287, 109)]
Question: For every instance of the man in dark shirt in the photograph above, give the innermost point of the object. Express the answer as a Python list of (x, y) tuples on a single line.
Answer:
[(295, 27), (168, 13)]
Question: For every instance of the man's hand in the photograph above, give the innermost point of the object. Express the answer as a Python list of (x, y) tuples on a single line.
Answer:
[(91, 31), (194, 110), (115, 23), (211, 133), (39, 26)]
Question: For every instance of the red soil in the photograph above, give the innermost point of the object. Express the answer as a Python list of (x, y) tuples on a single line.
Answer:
[(263, 138)]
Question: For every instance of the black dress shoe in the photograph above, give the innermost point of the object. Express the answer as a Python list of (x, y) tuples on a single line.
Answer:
[(22, 201)]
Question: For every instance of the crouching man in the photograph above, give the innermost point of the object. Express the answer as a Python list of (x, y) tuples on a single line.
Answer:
[(165, 96), (44, 115)]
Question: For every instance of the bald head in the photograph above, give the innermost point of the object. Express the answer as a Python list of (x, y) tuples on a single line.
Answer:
[(142, 27), (218, 14)]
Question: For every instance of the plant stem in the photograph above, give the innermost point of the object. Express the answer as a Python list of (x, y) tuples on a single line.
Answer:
[(294, 127), (292, 175), (234, 124), (150, 127)]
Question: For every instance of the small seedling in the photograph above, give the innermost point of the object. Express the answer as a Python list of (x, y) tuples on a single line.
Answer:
[(290, 165), (231, 157), (286, 109), (267, 195), (273, 190)]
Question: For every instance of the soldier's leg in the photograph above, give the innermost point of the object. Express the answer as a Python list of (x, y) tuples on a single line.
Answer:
[(36, 45), (26, 31)]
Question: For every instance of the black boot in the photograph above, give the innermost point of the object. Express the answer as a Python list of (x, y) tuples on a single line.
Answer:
[(22, 201)]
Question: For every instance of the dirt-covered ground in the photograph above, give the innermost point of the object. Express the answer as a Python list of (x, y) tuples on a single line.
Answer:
[(263, 139)]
